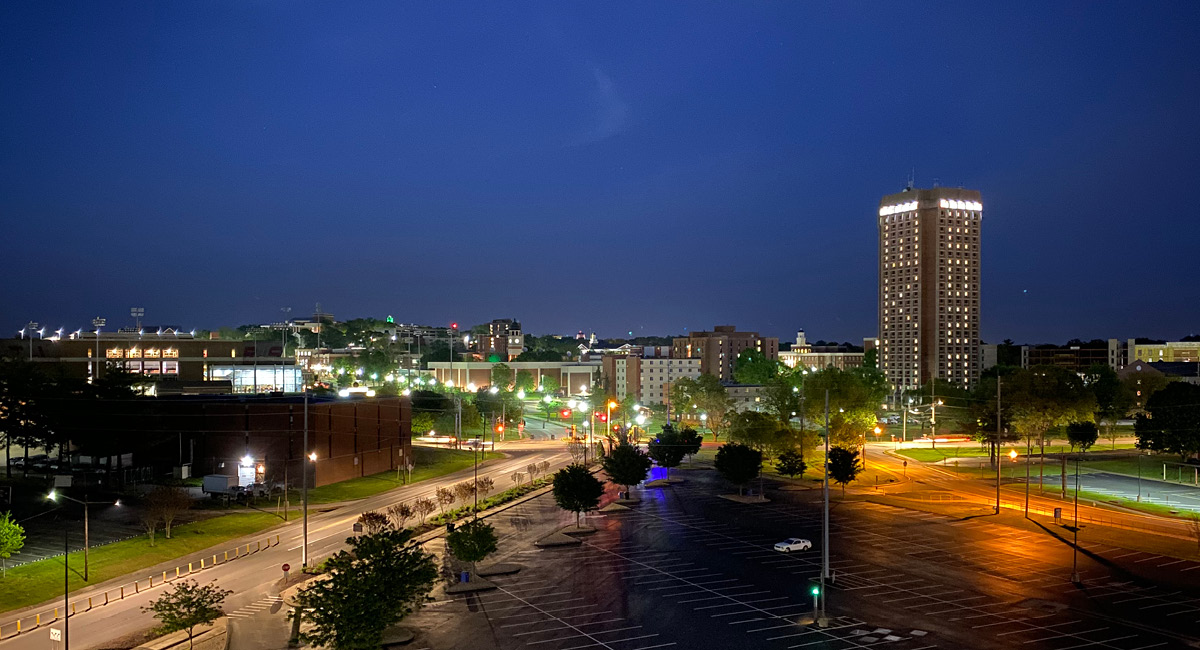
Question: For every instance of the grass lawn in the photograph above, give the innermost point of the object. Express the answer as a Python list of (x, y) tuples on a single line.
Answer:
[(430, 462), (32, 583), (927, 455)]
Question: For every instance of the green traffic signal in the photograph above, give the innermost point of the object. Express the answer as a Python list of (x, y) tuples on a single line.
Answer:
[(816, 590)]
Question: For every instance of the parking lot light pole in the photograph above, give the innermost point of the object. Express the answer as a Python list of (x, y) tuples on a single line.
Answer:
[(823, 620), (54, 496)]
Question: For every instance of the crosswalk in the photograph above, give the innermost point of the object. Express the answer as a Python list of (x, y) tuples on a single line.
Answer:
[(258, 606)]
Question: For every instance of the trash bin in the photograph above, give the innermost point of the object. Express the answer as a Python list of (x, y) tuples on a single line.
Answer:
[(465, 576)]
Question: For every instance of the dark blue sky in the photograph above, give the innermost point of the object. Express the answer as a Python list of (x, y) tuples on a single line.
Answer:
[(610, 167)]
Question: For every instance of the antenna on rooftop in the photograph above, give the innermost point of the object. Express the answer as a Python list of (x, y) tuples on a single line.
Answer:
[(912, 180)]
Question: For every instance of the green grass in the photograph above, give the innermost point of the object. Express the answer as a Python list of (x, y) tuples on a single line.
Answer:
[(927, 455), (32, 583), (430, 462)]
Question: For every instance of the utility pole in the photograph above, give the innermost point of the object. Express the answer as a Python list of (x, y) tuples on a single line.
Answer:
[(823, 619), (997, 445), (66, 591), (1075, 544), (304, 482)]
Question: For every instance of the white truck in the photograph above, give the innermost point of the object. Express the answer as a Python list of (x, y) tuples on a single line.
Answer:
[(220, 484)]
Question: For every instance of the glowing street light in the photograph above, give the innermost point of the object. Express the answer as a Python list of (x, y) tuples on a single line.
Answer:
[(493, 390), (521, 394), (471, 387)]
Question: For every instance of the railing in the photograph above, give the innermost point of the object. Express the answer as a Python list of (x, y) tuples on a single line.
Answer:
[(85, 604)]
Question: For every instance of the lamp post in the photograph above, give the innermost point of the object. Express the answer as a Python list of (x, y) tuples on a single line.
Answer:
[(822, 620), (54, 496), (97, 322), (1075, 544), (312, 457)]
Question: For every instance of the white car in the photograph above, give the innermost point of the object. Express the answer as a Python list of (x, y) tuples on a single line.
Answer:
[(793, 544)]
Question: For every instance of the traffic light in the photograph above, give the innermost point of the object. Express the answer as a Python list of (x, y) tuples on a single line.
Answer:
[(454, 326), (565, 413), (499, 428), (814, 586), (604, 417)]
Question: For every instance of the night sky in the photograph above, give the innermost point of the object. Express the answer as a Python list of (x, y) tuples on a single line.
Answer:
[(648, 167)]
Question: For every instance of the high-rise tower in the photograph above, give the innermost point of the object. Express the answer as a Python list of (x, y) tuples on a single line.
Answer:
[(929, 248)]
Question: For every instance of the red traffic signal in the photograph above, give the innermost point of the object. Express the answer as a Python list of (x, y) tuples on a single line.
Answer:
[(499, 428), (453, 326), (566, 413), (604, 417)]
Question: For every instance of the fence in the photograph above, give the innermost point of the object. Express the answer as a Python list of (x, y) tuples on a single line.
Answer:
[(85, 604)]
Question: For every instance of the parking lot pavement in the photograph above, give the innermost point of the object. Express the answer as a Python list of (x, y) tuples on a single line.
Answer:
[(687, 568), (1179, 496)]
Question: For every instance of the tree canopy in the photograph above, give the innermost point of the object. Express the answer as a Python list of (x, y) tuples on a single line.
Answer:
[(1082, 435), (843, 466), (370, 587), (753, 367), (472, 542), (627, 465), (576, 489), (668, 448), (187, 605), (738, 463), (1171, 422)]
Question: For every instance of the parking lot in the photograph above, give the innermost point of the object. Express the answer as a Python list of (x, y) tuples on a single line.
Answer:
[(688, 568)]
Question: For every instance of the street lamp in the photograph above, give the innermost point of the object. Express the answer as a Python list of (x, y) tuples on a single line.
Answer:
[(54, 496), (521, 394), (312, 458)]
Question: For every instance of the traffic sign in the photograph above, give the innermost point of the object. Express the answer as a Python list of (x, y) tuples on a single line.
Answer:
[(287, 567), (55, 634)]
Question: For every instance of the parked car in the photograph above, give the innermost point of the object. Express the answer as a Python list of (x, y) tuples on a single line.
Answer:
[(793, 544)]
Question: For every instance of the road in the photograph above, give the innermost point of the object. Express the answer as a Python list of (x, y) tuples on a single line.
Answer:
[(689, 569), (255, 579)]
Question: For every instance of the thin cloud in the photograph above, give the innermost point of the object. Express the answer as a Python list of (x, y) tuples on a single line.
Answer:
[(611, 112)]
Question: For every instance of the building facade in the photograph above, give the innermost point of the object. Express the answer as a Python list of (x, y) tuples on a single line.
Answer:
[(504, 341), (929, 270), (718, 350), (163, 355), (573, 377)]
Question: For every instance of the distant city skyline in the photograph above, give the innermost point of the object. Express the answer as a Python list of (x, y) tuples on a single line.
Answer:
[(647, 168)]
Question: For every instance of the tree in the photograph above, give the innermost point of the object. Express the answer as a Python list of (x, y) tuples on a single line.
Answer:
[(472, 542), (1045, 397), (524, 380), (372, 586), (627, 465), (667, 449), (485, 485), (753, 367), (187, 605), (25, 420), (464, 491), (738, 463), (712, 398), (400, 513), (445, 496), (854, 396), (871, 358), (166, 503), (1171, 422), (373, 521), (550, 384), (149, 520), (760, 431), (790, 463), (690, 440), (12, 539), (1113, 397), (517, 477), (576, 490), (423, 507), (1082, 435), (781, 399), (502, 376), (843, 466)]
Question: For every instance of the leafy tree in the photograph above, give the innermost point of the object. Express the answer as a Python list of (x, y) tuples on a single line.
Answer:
[(1113, 397), (445, 496), (871, 358), (149, 520), (843, 466), (524, 380), (753, 367), (1143, 385), (12, 539), (166, 503), (374, 521), (1045, 397), (539, 355), (26, 416), (1082, 435), (690, 440), (1171, 422), (668, 448), (760, 431), (576, 490), (982, 410), (854, 396), (400, 513), (187, 605), (502, 376), (627, 465), (781, 399), (790, 463), (550, 384), (738, 463), (464, 491), (423, 507), (437, 351), (372, 586), (711, 397), (472, 542)]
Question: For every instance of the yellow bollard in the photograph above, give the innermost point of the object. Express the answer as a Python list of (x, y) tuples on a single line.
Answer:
[(176, 573), (72, 610), (190, 566), (260, 545), (165, 575), (226, 556), (37, 621), (18, 626), (214, 562), (89, 602)]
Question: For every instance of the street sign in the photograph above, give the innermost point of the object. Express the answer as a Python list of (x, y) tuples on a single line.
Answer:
[(55, 634), (287, 567), (357, 527)]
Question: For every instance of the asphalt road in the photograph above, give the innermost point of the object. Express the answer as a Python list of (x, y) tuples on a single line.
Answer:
[(1174, 495), (689, 569), (255, 579)]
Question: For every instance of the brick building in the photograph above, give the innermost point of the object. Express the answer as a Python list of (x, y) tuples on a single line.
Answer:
[(718, 350)]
